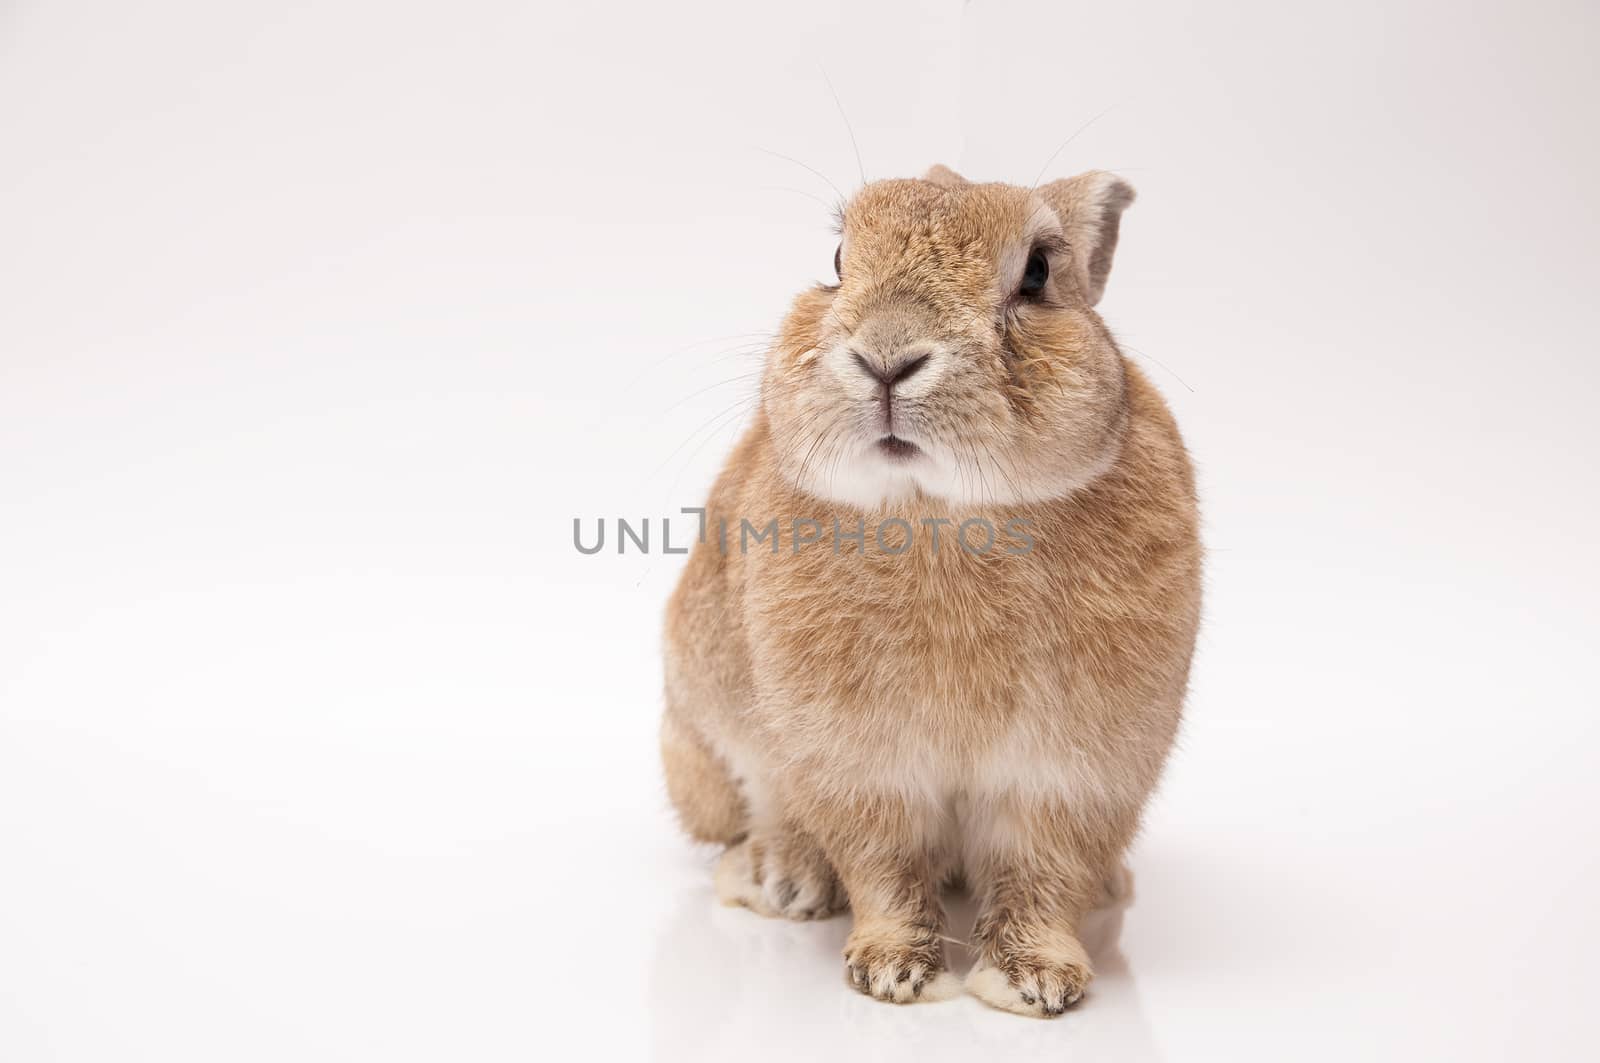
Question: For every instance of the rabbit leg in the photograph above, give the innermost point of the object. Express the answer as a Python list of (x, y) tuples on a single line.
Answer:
[(702, 789), (881, 848), (1037, 868), (780, 872)]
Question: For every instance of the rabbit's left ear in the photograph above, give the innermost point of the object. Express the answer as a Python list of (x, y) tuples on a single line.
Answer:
[(1090, 207)]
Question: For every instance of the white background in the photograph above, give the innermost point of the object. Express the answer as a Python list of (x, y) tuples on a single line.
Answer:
[(319, 324)]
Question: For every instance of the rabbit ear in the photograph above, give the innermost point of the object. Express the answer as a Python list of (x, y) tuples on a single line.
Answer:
[(944, 177), (1090, 207)]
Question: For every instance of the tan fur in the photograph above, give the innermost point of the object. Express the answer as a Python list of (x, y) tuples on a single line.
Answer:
[(869, 724)]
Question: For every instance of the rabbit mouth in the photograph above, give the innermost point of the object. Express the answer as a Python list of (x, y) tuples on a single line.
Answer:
[(894, 448)]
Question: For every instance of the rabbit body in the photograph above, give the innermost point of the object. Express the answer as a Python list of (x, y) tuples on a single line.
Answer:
[(966, 664)]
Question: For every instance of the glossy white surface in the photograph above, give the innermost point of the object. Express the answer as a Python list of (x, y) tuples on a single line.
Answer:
[(318, 739)]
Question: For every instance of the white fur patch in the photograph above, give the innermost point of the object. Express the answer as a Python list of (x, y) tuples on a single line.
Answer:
[(942, 986), (990, 985), (888, 986), (1025, 762), (733, 882)]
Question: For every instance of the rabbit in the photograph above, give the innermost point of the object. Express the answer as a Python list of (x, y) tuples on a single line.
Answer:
[(957, 649)]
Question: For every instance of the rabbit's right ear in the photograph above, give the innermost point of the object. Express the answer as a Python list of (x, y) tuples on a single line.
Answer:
[(1090, 207), (944, 177)]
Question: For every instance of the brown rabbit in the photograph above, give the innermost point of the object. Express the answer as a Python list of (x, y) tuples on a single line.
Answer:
[(939, 622)]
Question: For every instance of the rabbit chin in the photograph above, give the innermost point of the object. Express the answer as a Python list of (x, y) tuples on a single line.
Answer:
[(872, 478)]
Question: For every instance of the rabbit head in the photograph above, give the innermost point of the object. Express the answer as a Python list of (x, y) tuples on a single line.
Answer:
[(958, 356)]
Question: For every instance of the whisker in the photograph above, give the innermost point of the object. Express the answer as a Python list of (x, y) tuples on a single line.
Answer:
[(800, 436), (725, 411), (806, 461), (1064, 144), (1159, 362), (799, 192), (839, 451), (712, 387), (803, 166), (764, 338), (848, 128), (672, 488)]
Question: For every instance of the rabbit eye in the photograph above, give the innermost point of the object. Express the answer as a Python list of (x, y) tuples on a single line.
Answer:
[(1034, 274), (838, 267)]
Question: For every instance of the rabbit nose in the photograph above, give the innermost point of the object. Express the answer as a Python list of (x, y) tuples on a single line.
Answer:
[(894, 370)]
